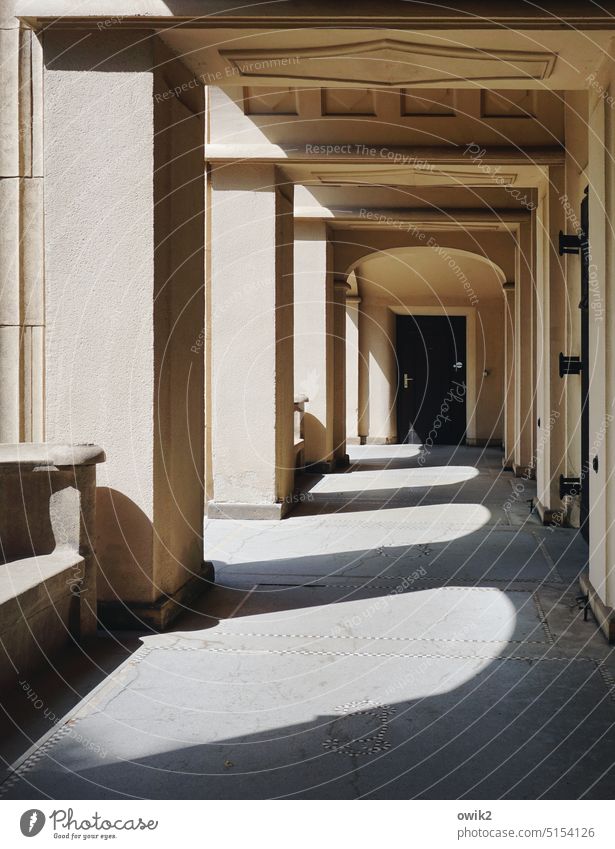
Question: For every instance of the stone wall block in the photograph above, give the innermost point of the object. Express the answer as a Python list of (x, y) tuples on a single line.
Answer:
[(32, 252), (9, 102), (9, 251), (9, 384)]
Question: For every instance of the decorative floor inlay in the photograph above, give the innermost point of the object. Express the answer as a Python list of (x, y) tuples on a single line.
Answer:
[(362, 729)]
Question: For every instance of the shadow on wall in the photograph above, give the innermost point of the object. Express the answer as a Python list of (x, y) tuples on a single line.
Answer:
[(315, 436), (125, 539), (39, 513)]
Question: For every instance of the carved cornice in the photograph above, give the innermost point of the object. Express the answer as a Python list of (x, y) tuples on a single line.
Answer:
[(391, 62)]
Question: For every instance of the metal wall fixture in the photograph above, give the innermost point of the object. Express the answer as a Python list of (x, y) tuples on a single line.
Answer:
[(569, 365), (569, 244), (569, 486)]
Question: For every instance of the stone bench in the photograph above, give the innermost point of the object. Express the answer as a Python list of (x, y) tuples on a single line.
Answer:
[(47, 560)]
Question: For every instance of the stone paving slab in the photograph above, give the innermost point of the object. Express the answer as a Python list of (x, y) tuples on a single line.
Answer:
[(200, 724), (567, 549), (351, 542), (486, 555)]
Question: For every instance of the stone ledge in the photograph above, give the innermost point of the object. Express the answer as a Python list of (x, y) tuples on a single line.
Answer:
[(29, 455), (604, 615), (246, 510), (156, 615), (39, 613), (30, 585)]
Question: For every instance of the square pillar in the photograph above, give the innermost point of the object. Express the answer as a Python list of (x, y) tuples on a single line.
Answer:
[(340, 289), (252, 342), (378, 374), (314, 340), (551, 333), (352, 369), (524, 353), (124, 229), (509, 375)]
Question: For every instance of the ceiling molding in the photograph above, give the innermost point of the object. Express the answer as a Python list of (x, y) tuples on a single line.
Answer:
[(451, 215), (365, 154), (415, 176), (375, 218), (391, 63)]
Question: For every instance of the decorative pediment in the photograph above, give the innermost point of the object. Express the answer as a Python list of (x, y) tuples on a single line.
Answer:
[(390, 62)]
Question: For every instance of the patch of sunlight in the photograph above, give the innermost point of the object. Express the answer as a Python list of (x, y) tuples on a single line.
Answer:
[(383, 452), (480, 625), (392, 479), (330, 541)]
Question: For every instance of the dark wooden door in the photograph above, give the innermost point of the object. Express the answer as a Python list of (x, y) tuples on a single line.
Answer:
[(431, 396)]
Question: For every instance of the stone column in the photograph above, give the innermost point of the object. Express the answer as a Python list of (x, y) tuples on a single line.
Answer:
[(524, 353), (509, 375), (314, 340), (341, 288), (551, 329), (124, 224), (21, 245), (352, 369), (252, 342)]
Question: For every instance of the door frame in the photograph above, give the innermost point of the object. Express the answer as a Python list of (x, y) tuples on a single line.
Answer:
[(470, 316)]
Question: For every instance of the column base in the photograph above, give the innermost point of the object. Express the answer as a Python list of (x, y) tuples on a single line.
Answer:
[(159, 614), (548, 516), (246, 510), (379, 440), (604, 615), (323, 467), (527, 472)]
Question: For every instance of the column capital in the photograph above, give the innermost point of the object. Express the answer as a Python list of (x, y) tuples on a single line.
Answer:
[(340, 285)]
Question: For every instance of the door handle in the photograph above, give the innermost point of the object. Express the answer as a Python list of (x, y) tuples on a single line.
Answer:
[(457, 365), (407, 380)]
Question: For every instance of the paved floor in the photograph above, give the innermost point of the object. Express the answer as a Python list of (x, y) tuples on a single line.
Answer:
[(410, 631)]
